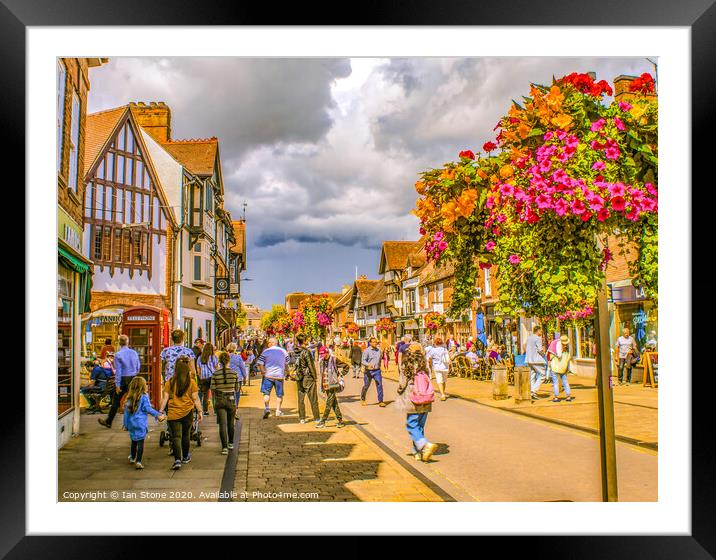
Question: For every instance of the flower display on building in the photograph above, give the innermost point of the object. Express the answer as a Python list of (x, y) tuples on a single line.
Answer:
[(572, 171), (351, 327), (385, 324), (433, 320), (316, 311)]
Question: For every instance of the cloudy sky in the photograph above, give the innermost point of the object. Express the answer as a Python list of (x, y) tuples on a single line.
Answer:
[(325, 152)]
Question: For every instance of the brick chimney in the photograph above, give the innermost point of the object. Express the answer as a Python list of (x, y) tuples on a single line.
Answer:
[(155, 118)]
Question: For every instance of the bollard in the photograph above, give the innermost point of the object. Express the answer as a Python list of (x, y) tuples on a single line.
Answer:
[(499, 383), (522, 384)]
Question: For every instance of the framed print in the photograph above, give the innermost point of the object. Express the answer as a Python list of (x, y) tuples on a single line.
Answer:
[(404, 268)]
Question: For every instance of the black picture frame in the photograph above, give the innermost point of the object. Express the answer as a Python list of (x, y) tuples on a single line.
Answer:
[(698, 15)]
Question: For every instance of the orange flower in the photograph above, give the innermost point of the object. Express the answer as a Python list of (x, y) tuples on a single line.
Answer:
[(554, 98), (449, 212), (562, 121), (506, 171), (523, 130), (482, 174), (466, 202), (420, 187), (448, 174)]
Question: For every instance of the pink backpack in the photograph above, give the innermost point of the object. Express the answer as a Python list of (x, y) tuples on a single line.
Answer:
[(422, 392)]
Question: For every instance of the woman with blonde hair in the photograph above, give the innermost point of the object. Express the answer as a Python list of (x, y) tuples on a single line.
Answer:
[(136, 408)]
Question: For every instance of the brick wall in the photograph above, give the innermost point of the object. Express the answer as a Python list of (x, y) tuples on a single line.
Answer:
[(101, 300), (618, 269), (155, 118), (77, 80)]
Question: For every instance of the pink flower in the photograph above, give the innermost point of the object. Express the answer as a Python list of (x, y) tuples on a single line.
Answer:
[(501, 218), (603, 214), (596, 202), (496, 231), (612, 152), (578, 207), (572, 142), (514, 259), (632, 214), (620, 125), (438, 235), (598, 125), (545, 165), (507, 190), (442, 246), (484, 265), (599, 165), (561, 207), (616, 189), (651, 189), (544, 202), (624, 106), (560, 176), (618, 203), (548, 135), (490, 246), (561, 134), (490, 202)]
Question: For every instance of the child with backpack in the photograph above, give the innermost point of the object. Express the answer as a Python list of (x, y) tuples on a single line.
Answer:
[(136, 408), (415, 398)]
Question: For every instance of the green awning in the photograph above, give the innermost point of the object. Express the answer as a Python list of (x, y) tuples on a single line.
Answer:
[(83, 269), (68, 259)]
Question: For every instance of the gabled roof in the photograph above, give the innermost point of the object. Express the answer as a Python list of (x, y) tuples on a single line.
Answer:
[(378, 295), (395, 254), (294, 299), (197, 155), (416, 259), (344, 300), (432, 273), (363, 289), (99, 128)]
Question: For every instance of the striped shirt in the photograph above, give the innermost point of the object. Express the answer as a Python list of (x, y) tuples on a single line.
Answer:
[(274, 360), (207, 370), (225, 380)]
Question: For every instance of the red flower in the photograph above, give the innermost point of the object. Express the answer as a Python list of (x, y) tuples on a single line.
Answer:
[(643, 84), (467, 154), (489, 146)]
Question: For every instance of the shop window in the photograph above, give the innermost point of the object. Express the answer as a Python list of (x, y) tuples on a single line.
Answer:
[(65, 312), (61, 81), (74, 142), (587, 341)]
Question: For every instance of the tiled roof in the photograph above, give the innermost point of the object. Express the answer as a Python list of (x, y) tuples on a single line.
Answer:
[(366, 287), (395, 254), (344, 300), (197, 155), (240, 236), (98, 129), (292, 300), (431, 273), (379, 294)]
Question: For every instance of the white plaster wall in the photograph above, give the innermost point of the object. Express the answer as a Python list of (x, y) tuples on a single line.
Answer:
[(199, 319), (169, 172)]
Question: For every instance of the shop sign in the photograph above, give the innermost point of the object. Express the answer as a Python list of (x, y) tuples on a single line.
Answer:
[(234, 288), (623, 294), (141, 318), (69, 231), (221, 285)]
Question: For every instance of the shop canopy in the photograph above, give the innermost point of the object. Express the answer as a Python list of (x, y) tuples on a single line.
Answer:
[(83, 269)]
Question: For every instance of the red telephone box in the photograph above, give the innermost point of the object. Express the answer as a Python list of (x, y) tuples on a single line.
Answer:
[(143, 326)]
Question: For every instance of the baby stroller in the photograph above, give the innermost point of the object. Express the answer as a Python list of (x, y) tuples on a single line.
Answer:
[(195, 436)]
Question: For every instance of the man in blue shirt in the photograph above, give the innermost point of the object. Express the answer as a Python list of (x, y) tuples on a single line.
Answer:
[(236, 363), (371, 363), (126, 366), (272, 364), (98, 382)]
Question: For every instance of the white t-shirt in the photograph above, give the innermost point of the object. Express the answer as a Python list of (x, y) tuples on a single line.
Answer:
[(435, 356)]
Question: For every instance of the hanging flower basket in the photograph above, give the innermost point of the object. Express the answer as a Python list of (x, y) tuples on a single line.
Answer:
[(385, 324)]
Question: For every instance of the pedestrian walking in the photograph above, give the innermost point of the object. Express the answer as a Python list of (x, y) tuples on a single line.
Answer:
[(402, 346), (136, 408), (356, 356), (272, 364), (535, 360), (387, 353), (439, 363), (370, 361), (207, 363), (332, 383), (559, 366), (237, 363), (181, 397), (171, 354), (415, 398), (225, 389), (126, 366), (306, 379), (626, 346)]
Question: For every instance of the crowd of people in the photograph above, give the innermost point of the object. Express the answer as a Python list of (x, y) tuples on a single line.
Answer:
[(194, 378)]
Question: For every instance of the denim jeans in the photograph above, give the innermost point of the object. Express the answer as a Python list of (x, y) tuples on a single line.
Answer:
[(415, 423), (356, 370), (555, 383), (368, 376), (117, 397), (625, 363), (225, 416), (180, 433), (538, 375), (204, 385)]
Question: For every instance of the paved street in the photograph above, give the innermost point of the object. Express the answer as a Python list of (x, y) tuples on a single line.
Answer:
[(486, 453)]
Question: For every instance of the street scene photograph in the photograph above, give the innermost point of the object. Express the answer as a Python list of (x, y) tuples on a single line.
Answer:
[(357, 279)]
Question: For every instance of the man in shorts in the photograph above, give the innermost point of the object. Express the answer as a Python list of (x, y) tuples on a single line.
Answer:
[(272, 364)]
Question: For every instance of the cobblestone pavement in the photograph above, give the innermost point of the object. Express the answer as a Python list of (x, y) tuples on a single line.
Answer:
[(283, 460)]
